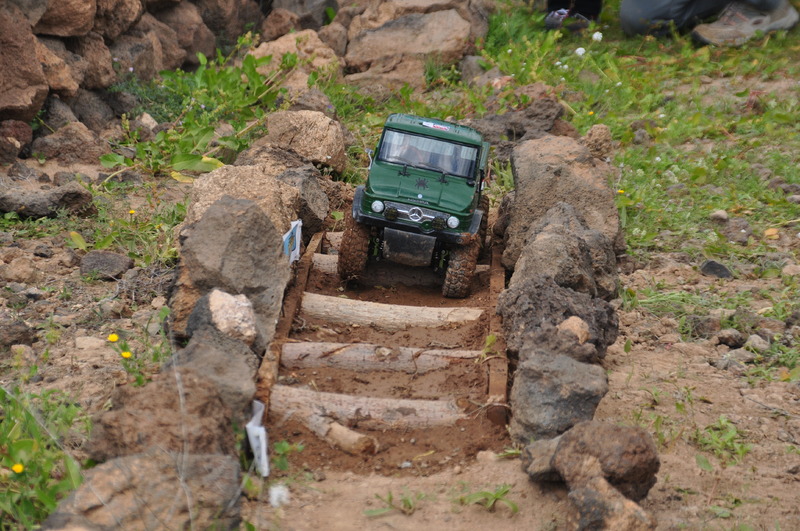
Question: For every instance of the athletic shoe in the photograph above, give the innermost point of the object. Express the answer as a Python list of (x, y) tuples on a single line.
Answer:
[(740, 22), (562, 18)]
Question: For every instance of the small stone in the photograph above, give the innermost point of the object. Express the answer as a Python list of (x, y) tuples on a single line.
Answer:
[(731, 337), (719, 215), (577, 326), (794, 199), (756, 343), (741, 355), (791, 270), (405, 464), (715, 269)]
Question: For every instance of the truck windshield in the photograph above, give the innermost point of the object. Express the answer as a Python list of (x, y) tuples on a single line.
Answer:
[(430, 153)]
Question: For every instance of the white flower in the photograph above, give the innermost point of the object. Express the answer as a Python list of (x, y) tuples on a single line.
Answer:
[(564, 67), (597, 36), (580, 51), (658, 159), (509, 50), (558, 63), (662, 115), (619, 83)]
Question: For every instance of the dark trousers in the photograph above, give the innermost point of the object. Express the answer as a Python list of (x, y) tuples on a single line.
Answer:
[(647, 16)]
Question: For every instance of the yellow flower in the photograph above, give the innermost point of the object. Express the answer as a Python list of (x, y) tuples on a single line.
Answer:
[(620, 191), (113, 338), (591, 113), (125, 354), (131, 212), (18, 468)]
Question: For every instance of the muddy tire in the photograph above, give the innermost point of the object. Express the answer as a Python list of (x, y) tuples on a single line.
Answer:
[(484, 228), (460, 270), (354, 249)]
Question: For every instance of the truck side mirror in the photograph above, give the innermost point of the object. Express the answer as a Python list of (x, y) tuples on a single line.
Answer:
[(369, 154)]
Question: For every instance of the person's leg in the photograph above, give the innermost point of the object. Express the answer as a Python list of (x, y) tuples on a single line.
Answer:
[(587, 8), (639, 17)]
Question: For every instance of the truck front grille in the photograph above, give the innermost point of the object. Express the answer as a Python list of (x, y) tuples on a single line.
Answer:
[(414, 213)]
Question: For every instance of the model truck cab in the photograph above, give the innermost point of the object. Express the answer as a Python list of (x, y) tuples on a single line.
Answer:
[(423, 202)]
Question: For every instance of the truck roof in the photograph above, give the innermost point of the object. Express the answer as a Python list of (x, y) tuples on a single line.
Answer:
[(434, 127)]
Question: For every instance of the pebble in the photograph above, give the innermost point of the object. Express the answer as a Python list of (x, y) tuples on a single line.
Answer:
[(718, 215)]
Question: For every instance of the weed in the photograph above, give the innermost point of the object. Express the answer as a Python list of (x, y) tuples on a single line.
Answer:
[(281, 451), (35, 472), (723, 440), (489, 499), (194, 103), (407, 504)]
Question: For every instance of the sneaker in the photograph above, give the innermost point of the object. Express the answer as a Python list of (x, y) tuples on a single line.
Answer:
[(740, 22), (562, 18)]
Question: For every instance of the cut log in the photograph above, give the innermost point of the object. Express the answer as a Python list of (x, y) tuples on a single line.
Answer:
[(385, 316), (367, 412), (369, 357), (339, 436)]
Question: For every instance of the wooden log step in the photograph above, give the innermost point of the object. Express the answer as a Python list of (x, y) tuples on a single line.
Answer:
[(365, 412), (369, 357), (385, 316)]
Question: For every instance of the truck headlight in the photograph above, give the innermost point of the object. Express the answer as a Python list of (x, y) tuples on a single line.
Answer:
[(452, 222), (377, 206)]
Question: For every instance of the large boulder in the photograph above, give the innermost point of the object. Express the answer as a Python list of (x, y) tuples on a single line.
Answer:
[(56, 115), (311, 52), (505, 130), (441, 34), (257, 183), (555, 169), (236, 248), (137, 55), (72, 143), (71, 197), (100, 67), (92, 110), (23, 85), (15, 136), (67, 18), (598, 505), (32, 9), (63, 69), (625, 456), (533, 302), (561, 246), (169, 54), (222, 17), (114, 17), (310, 134), (179, 411), (278, 23), (552, 392), (157, 490), (193, 34), (309, 13), (227, 362)]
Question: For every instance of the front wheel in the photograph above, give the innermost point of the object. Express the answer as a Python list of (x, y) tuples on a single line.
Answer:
[(460, 270), (354, 250)]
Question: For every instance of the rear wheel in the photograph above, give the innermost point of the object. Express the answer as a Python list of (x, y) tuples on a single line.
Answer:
[(460, 270), (354, 249)]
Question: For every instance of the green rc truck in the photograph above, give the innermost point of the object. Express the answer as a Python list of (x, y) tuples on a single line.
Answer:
[(423, 203)]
